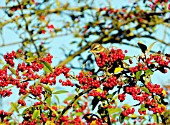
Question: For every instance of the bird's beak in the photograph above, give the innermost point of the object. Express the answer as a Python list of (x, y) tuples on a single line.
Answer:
[(90, 51)]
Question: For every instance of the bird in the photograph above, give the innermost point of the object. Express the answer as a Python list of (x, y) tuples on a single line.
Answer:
[(96, 48)]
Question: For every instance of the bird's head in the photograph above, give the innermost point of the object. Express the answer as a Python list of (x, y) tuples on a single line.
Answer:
[(96, 48)]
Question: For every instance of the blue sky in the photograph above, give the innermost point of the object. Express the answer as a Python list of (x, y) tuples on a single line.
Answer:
[(64, 41)]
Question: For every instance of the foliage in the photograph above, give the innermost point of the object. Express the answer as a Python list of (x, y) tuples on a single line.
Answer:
[(97, 99)]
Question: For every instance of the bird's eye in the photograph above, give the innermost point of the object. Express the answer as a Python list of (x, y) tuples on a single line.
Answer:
[(95, 48)]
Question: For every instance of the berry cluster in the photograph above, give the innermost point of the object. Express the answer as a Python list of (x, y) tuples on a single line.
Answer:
[(4, 117), (38, 103), (111, 82), (9, 58), (156, 3), (101, 61), (3, 113), (121, 97), (142, 112), (155, 88), (22, 88), (36, 91), (157, 109), (127, 111), (5, 92), (109, 59), (48, 58), (43, 118), (66, 83), (33, 122), (87, 81), (82, 107), (49, 78), (101, 86), (140, 66), (22, 102), (96, 93), (136, 93), (35, 66), (60, 70), (159, 59)]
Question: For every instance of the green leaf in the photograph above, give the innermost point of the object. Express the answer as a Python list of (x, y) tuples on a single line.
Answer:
[(157, 98), (60, 92), (142, 108), (121, 118), (138, 74), (47, 67), (1, 62), (23, 97), (155, 117), (13, 71), (127, 57), (58, 3), (6, 65), (30, 54), (25, 111), (93, 76), (133, 116), (118, 69), (31, 59), (70, 97), (47, 88), (36, 114), (73, 42), (48, 100), (145, 90), (79, 113), (148, 72), (149, 49), (14, 106), (110, 96), (113, 110), (58, 100)]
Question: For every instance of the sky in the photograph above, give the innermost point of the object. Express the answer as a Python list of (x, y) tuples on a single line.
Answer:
[(10, 36)]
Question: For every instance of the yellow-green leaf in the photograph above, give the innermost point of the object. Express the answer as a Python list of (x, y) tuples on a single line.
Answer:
[(127, 57), (30, 54), (58, 3), (14, 106), (6, 65), (150, 47), (118, 69), (70, 97), (145, 90), (47, 88), (113, 110), (148, 72), (47, 67), (12, 70), (60, 92), (31, 59), (155, 117), (36, 114), (58, 100), (48, 100), (138, 74), (142, 107), (98, 90)]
